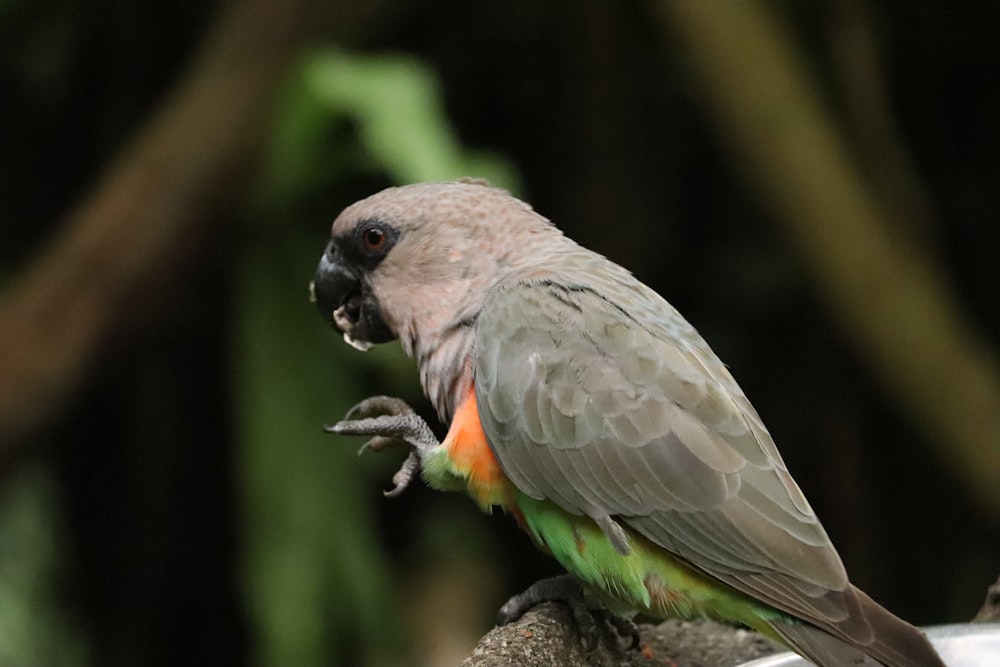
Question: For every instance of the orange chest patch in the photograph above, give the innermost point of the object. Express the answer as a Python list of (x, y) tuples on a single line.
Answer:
[(471, 456)]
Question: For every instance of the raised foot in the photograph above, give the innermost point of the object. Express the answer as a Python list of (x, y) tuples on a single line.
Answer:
[(389, 422), (592, 623)]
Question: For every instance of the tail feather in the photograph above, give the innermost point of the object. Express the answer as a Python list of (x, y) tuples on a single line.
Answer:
[(886, 641)]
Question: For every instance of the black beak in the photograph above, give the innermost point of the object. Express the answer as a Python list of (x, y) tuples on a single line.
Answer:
[(346, 304), (333, 284)]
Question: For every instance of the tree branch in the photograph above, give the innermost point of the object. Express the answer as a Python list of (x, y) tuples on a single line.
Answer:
[(546, 636)]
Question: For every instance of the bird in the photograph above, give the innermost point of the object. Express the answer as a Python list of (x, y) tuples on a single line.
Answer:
[(579, 401)]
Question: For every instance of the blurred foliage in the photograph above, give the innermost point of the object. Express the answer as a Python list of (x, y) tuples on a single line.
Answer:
[(395, 107), (32, 612), (318, 583)]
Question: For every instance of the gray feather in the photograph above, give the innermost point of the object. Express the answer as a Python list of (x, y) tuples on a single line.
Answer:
[(596, 394), (623, 411)]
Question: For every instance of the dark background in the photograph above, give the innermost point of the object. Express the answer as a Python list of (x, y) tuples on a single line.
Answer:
[(169, 498)]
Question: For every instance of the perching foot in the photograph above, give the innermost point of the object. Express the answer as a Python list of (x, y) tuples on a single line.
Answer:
[(566, 588)]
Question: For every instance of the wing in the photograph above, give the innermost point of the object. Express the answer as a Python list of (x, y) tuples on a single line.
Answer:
[(613, 406)]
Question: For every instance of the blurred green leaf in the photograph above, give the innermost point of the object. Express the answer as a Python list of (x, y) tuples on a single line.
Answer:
[(34, 628), (396, 107)]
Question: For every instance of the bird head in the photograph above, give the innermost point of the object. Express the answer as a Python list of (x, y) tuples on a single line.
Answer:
[(411, 261)]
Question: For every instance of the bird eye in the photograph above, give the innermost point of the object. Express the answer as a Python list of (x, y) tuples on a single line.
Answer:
[(374, 238)]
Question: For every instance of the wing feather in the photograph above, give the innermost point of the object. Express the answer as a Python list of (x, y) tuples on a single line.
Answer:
[(626, 412)]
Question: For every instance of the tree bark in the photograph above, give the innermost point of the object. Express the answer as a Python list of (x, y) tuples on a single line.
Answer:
[(547, 636)]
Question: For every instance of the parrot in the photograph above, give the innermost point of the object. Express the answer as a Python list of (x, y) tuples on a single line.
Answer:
[(579, 401)]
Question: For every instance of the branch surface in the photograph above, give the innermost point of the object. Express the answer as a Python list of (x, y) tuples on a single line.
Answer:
[(547, 636)]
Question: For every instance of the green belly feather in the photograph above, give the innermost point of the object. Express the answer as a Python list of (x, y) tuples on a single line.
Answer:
[(647, 581)]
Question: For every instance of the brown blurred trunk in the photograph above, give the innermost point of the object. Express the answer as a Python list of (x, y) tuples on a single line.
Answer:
[(890, 294), (124, 243)]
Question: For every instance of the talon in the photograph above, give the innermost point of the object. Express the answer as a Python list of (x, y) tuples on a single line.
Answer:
[(567, 589), (406, 473), (586, 625), (563, 588), (377, 406), (626, 629), (380, 442)]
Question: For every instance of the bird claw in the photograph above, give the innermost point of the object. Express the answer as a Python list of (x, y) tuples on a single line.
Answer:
[(624, 628), (391, 423), (406, 474), (380, 442), (376, 406), (567, 589)]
